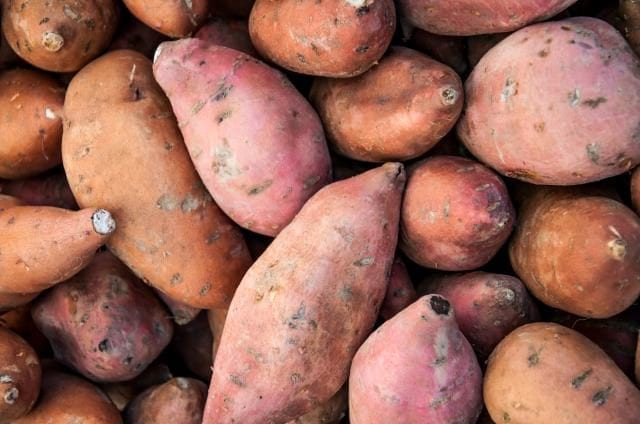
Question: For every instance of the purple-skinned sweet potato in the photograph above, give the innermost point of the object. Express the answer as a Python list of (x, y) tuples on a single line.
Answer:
[(42, 190), (230, 33), (400, 291), (325, 275), (256, 142), (330, 412), (488, 306), (193, 344), (104, 322), (416, 368), (554, 103)]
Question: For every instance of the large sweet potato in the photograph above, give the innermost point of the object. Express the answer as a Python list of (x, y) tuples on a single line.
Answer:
[(307, 303), (170, 232), (254, 139)]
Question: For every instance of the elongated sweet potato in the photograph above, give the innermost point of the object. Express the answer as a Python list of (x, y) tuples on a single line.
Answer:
[(416, 368), (43, 190), (42, 245), (254, 139), (330, 412), (193, 344), (324, 275), (170, 233), (397, 110), (331, 38), (19, 376), (233, 34), (547, 373), (400, 291), (174, 18)]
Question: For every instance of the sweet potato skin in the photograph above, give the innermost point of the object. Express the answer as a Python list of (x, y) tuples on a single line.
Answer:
[(7, 201), (456, 214), (578, 253), (20, 376), (170, 233), (57, 35), (544, 372), (174, 18), (416, 367), (344, 38), (330, 412), (31, 125), (254, 139), (278, 356), (400, 291), (181, 313), (558, 130), (42, 190), (231, 33), (471, 17), (397, 110)]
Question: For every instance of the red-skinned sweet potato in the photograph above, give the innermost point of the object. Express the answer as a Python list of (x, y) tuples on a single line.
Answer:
[(174, 18), (233, 34), (400, 291), (43, 190)]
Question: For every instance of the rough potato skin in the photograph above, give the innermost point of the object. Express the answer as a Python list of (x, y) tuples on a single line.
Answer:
[(174, 18), (66, 399), (397, 110), (230, 33), (545, 373), (42, 190), (59, 35), (170, 232), (332, 38), (471, 17), (325, 275), (574, 127), (635, 190), (30, 123), (20, 375), (578, 253), (255, 140), (456, 214), (488, 306), (330, 412), (400, 291), (179, 400), (416, 368)]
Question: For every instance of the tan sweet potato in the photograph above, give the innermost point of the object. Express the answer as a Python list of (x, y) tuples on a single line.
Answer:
[(324, 275), (42, 246), (43, 190), (330, 412), (193, 344), (545, 373), (578, 253), (230, 33), (170, 233), (400, 291), (58, 35), (30, 123), (397, 110), (331, 38), (174, 18), (20, 375)]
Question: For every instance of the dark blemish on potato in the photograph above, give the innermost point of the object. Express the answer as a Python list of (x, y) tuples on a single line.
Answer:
[(510, 89), (438, 402), (205, 289), (310, 182), (127, 360), (176, 279), (440, 305), (534, 357), (84, 318), (315, 49), (295, 378), (237, 380), (446, 210), (198, 106), (524, 40), (43, 21), (260, 188), (577, 382), (584, 45), (539, 127), (364, 262), (295, 113), (593, 152), (383, 100), (104, 346), (168, 146), (449, 96), (346, 293), (224, 115), (543, 53), (213, 237), (361, 11), (440, 360), (202, 63), (11, 220), (574, 97), (296, 319), (548, 40), (601, 396), (301, 58), (11, 395), (362, 49), (572, 41), (594, 103), (222, 92), (522, 174), (506, 417)]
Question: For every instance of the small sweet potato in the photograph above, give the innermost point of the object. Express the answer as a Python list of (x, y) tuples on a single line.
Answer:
[(193, 344), (233, 34), (181, 313), (179, 401), (174, 18), (446, 49), (58, 35), (416, 368), (255, 140), (20, 375), (104, 322), (456, 214), (42, 190), (397, 110), (545, 373), (330, 38), (330, 412), (325, 275), (400, 291)]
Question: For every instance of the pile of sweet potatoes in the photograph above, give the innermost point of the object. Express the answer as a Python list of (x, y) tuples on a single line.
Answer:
[(328, 212)]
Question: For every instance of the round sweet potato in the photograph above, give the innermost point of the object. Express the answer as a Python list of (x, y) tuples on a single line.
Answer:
[(545, 373), (19, 376), (395, 111), (30, 123), (174, 18), (456, 214), (58, 35), (555, 103), (331, 38)]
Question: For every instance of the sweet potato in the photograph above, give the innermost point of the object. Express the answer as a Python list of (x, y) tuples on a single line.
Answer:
[(396, 111), (456, 214), (216, 318), (254, 139), (547, 373), (20, 375), (629, 10), (181, 313), (20, 322), (7, 201), (578, 253), (416, 368), (553, 104), (104, 322), (170, 233), (65, 398), (232, 8), (124, 392), (331, 38), (30, 124), (42, 246), (58, 35), (488, 306), (42, 190), (233, 34), (324, 275), (9, 301), (446, 49), (471, 17), (135, 35), (193, 344), (174, 18), (400, 291), (635, 189), (330, 412)]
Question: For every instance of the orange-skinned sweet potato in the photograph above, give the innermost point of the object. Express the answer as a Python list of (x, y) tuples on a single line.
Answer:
[(7, 201), (181, 313), (175, 18)]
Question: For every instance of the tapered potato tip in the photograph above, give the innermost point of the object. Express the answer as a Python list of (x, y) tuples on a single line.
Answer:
[(395, 171), (103, 222)]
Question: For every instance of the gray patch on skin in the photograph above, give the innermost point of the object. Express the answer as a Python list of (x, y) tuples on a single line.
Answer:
[(176, 279), (364, 261), (593, 152), (311, 181), (237, 380), (260, 188), (574, 97), (579, 380), (167, 203), (189, 204), (11, 395), (510, 89), (600, 397)]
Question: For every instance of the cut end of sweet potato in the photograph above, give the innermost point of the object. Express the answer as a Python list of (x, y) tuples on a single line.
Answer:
[(103, 222), (440, 305)]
